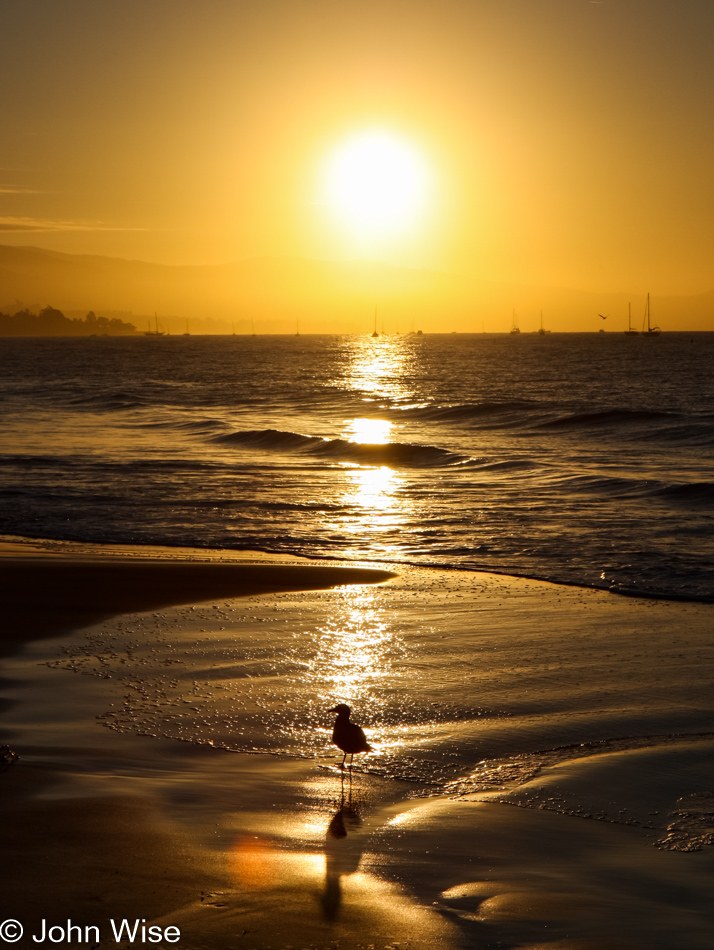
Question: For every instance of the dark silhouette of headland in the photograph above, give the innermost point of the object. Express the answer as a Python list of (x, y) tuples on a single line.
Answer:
[(52, 322)]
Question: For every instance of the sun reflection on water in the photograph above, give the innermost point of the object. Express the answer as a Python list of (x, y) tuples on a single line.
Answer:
[(373, 489), (380, 369), (353, 648), (356, 661), (359, 653), (369, 431), (373, 494)]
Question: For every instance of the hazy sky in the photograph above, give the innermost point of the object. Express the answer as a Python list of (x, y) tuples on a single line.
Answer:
[(566, 141)]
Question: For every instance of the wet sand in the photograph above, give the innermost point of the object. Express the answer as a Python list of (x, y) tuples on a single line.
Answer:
[(274, 850), (49, 592)]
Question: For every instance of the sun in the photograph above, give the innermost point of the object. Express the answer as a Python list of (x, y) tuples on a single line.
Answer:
[(376, 183)]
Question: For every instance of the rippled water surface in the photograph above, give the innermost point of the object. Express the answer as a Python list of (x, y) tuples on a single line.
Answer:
[(578, 458)]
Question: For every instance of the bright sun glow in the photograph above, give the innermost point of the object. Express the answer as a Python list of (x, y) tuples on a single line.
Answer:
[(376, 183)]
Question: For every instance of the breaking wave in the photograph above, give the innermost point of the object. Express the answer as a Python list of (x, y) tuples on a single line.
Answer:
[(396, 454)]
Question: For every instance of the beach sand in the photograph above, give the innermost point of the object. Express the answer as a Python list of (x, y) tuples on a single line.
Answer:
[(120, 806)]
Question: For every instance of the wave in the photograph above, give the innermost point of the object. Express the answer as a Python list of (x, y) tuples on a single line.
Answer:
[(607, 417), (646, 424), (88, 463), (694, 492), (503, 465), (662, 424), (396, 454), (607, 485), (272, 440), (297, 506), (694, 432), (108, 402), (682, 492), (199, 425), (39, 461), (463, 411), (650, 425)]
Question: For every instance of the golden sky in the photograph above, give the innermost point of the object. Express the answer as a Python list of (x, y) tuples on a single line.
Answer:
[(558, 142)]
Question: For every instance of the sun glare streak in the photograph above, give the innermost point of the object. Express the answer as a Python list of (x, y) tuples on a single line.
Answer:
[(376, 183), (355, 650), (373, 496), (380, 369), (373, 490), (369, 431)]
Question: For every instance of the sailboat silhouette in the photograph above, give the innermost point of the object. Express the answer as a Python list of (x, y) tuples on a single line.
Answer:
[(155, 332), (629, 331), (650, 331)]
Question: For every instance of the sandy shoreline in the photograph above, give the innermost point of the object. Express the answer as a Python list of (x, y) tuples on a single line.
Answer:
[(257, 851), (46, 593), (109, 855)]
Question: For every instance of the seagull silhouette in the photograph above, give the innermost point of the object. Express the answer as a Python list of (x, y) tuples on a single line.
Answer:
[(347, 735), (605, 317)]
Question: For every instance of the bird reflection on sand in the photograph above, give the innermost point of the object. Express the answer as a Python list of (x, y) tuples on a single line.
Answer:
[(343, 851)]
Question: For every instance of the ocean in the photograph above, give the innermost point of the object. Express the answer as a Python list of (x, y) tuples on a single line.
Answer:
[(581, 459), (541, 768)]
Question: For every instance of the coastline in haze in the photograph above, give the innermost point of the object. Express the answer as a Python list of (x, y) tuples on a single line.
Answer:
[(268, 295)]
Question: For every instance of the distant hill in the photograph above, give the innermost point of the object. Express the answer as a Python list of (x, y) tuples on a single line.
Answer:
[(282, 294)]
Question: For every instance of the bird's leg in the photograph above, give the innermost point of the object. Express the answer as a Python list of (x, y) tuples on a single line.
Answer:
[(342, 763)]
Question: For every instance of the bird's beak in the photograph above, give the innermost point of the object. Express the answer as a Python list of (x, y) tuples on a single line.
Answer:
[(332, 710)]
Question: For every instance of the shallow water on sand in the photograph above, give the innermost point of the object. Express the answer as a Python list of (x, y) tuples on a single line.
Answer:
[(562, 734), (450, 701)]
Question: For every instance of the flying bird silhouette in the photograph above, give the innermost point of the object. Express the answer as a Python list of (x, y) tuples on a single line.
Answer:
[(605, 317), (347, 735)]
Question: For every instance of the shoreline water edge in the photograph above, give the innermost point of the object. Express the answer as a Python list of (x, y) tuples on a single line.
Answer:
[(541, 775)]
